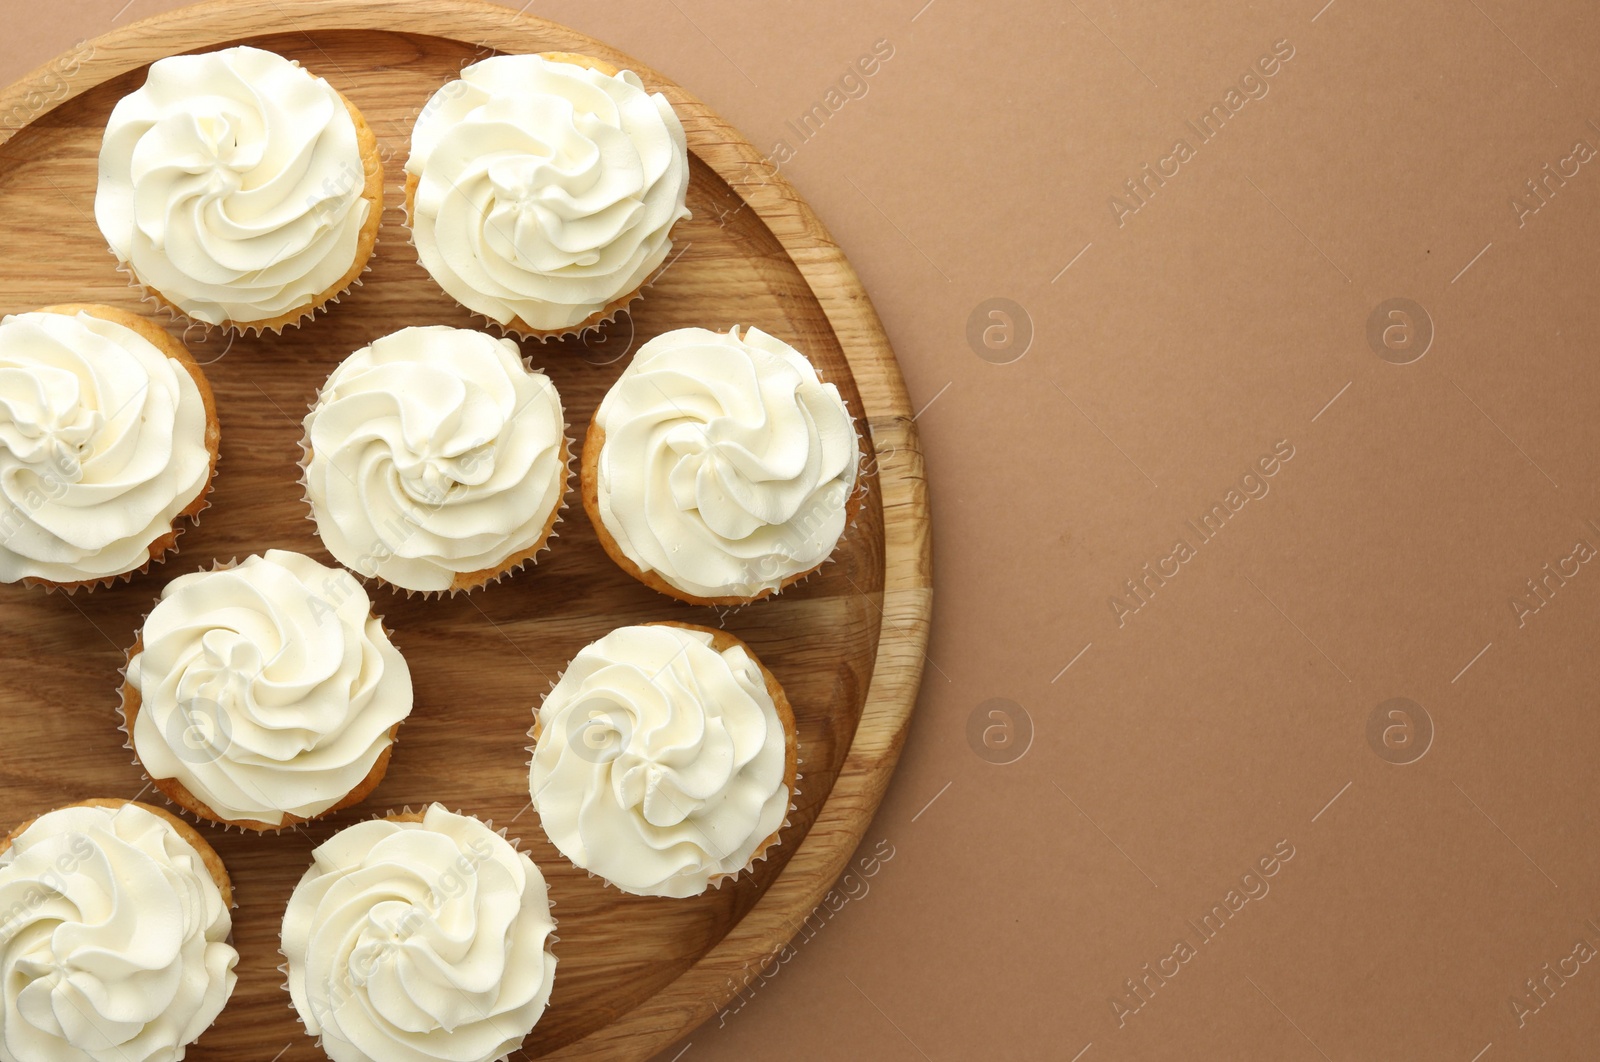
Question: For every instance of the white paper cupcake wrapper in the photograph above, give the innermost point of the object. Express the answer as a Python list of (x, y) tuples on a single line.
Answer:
[(575, 332), (162, 304)]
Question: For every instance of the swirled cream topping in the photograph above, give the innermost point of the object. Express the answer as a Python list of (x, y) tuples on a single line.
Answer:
[(728, 464), (232, 182), (266, 689), (660, 761), (545, 190), (102, 445), (113, 939), (419, 941), (434, 453)]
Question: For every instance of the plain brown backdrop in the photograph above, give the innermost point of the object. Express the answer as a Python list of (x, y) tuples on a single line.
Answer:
[(1148, 357)]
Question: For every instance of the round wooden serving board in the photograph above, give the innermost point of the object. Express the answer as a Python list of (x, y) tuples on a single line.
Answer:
[(847, 644)]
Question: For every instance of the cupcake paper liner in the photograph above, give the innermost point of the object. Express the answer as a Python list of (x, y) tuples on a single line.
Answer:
[(155, 298), (575, 332)]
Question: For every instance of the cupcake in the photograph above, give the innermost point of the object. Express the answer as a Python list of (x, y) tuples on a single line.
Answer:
[(436, 460), (541, 190), (114, 943), (108, 438), (664, 759), (264, 694), (239, 188), (720, 469), (424, 935)]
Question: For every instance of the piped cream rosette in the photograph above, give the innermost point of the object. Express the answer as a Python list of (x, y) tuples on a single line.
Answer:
[(720, 468), (421, 937), (436, 460), (114, 940), (665, 759), (542, 189)]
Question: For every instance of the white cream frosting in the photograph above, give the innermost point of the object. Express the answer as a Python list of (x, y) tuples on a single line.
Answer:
[(419, 942), (102, 444), (434, 452), (232, 183), (728, 464), (113, 939), (660, 761), (268, 688), (546, 190)]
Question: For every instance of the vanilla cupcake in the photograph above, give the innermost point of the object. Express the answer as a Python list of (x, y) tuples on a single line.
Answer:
[(108, 439), (541, 190), (265, 694), (720, 469), (114, 942), (664, 759), (424, 935), (436, 460), (239, 188)]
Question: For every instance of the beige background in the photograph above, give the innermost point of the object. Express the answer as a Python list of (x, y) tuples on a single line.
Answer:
[(1175, 748)]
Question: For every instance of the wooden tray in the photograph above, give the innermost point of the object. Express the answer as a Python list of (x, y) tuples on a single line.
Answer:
[(847, 644)]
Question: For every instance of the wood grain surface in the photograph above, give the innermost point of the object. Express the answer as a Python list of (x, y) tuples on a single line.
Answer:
[(847, 644)]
